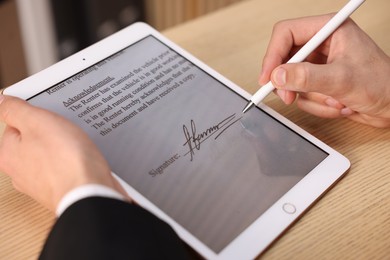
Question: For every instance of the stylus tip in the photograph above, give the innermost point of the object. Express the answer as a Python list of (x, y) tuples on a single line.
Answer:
[(248, 106)]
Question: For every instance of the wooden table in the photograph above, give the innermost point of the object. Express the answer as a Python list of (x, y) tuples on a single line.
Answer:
[(352, 221)]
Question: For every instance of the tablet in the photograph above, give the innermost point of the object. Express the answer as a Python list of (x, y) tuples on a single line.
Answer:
[(173, 132)]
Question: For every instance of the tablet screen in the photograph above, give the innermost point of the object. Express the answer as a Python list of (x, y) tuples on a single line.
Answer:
[(176, 134)]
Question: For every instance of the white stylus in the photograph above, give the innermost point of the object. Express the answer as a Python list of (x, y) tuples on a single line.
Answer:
[(309, 47)]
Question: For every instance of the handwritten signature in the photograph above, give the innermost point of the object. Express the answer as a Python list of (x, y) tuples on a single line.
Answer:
[(195, 139)]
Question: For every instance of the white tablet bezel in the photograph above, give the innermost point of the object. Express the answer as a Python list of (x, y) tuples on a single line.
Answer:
[(260, 234)]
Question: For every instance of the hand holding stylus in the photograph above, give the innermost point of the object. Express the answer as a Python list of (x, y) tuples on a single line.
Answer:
[(309, 47), (347, 76)]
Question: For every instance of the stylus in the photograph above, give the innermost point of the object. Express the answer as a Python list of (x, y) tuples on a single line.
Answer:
[(309, 47)]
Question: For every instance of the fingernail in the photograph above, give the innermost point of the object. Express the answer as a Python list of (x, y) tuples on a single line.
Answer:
[(346, 111), (332, 102), (1, 98), (280, 77)]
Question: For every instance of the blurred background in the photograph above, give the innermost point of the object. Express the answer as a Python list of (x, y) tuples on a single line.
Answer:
[(36, 33)]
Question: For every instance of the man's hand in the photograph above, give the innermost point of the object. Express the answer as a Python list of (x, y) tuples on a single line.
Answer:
[(347, 76), (46, 155)]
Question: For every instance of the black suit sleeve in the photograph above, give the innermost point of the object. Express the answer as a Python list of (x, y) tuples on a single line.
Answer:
[(103, 228)]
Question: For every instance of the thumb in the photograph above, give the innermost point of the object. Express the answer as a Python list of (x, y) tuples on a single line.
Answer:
[(14, 111), (308, 77)]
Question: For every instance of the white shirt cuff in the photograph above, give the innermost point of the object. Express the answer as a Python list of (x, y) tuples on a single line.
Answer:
[(85, 191)]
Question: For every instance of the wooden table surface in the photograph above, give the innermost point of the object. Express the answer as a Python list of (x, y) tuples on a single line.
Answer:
[(352, 221)]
